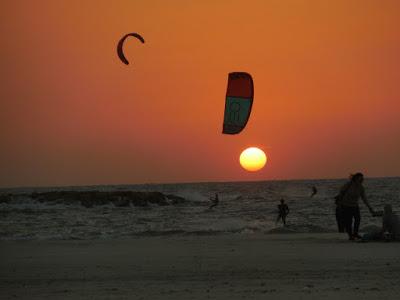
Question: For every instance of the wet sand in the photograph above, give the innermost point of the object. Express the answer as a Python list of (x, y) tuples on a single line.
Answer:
[(262, 266)]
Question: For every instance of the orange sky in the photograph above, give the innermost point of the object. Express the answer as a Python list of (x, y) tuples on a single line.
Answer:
[(326, 77)]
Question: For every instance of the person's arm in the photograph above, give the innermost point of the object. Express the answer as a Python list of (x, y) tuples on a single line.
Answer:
[(364, 199)]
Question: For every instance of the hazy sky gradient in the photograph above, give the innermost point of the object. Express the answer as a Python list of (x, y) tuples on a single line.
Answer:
[(326, 76)]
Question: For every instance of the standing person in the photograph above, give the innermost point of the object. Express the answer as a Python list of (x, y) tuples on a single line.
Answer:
[(215, 201), (347, 201), (283, 212)]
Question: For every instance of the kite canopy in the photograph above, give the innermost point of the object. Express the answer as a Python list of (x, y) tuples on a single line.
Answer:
[(239, 99), (121, 44)]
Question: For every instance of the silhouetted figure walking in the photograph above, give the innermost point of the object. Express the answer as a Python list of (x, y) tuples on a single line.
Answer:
[(215, 201), (283, 212), (347, 205)]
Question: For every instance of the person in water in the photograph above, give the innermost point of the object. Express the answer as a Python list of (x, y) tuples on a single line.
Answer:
[(314, 191), (347, 201), (215, 201), (283, 212)]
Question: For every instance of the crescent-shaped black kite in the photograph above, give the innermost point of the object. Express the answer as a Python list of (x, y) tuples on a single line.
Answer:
[(121, 44)]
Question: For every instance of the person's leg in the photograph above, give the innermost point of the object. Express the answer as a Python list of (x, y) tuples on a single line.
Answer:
[(340, 219), (348, 220), (279, 217), (357, 220), (284, 220)]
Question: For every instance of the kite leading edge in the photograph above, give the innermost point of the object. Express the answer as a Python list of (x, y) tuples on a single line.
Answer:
[(121, 44)]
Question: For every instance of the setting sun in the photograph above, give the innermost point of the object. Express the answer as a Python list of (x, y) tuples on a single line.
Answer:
[(253, 159)]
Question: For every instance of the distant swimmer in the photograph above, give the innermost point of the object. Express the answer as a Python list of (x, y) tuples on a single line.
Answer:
[(215, 201), (314, 191), (283, 212)]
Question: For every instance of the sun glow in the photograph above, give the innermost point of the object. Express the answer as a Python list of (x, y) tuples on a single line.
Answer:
[(253, 159)]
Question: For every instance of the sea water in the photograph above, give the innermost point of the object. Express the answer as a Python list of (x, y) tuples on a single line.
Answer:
[(244, 208)]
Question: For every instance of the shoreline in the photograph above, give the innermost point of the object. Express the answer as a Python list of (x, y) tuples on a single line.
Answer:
[(281, 266)]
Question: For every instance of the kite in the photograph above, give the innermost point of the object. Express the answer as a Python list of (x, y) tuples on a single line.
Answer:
[(121, 44), (238, 103)]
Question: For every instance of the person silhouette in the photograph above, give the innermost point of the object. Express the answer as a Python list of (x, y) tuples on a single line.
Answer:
[(347, 201), (283, 211), (215, 201)]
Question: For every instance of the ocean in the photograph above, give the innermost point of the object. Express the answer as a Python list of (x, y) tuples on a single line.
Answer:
[(245, 208)]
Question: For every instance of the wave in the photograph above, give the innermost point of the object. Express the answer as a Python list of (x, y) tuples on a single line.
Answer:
[(304, 228), (161, 233), (90, 199)]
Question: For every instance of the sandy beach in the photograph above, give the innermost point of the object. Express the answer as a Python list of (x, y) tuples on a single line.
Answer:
[(262, 266)]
